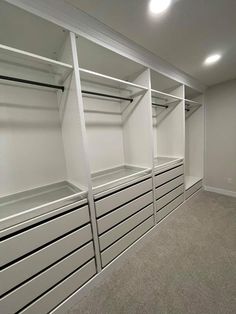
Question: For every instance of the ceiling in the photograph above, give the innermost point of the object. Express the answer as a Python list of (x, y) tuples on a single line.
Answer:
[(184, 36)]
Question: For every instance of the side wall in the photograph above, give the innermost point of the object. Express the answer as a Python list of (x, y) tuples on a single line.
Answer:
[(220, 157)]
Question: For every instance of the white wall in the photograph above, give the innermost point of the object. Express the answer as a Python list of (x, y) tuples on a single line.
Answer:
[(221, 136), (31, 148)]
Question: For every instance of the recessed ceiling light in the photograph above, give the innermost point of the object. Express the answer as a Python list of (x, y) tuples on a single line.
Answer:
[(212, 59), (159, 6)]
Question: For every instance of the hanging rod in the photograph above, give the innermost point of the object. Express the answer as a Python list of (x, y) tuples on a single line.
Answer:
[(106, 95), (158, 105), (16, 79)]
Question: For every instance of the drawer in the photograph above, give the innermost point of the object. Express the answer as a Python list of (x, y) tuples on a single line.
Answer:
[(161, 202), (117, 199), (22, 270), (110, 253), (169, 208), (62, 291), (168, 175), (27, 241), (29, 291), (117, 232), (193, 189), (118, 215), (169, 186)]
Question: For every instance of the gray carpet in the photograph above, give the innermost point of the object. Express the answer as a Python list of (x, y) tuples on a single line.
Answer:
[(188, 266)]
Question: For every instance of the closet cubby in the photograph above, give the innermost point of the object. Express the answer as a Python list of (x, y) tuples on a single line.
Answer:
[(168, 120), (41, 152), (194, 140), (116, 107)]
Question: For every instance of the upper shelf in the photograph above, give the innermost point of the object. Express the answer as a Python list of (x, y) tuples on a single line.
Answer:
[(111, 82), (35, 62), (192, 102), (165, 98)]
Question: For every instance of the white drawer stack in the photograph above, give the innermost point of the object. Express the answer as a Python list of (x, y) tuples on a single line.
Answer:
[(169, 190), (43, 264), (123, 217)]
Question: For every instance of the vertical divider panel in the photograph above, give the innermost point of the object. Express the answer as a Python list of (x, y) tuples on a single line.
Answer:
[(149, 92), (85, 147), (71, 125)]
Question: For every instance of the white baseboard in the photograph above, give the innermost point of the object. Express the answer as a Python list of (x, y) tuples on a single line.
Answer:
[(220, 191)]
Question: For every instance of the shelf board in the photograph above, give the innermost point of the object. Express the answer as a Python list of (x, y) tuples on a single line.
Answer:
[(31, 203), (190, 181), (112, 82), (165, 97), (110, 178), (163, 161), (35, 62), (192, 102)]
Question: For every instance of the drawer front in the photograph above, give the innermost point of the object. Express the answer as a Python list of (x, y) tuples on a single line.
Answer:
[(193, 189), (15, 274), (115, 200), (114, 250), (171, 185), (29, 291), (118, 215), (169, 197), (62, 291), (169, 208), (27, 241), (168, 175), (117, 232)]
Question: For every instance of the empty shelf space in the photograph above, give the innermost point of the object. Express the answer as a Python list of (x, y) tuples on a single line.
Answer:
[(38, 199), (164, 97), (190, 181), (35, 62), (110, 82), (104, 180), (160, 162), (192, 102)]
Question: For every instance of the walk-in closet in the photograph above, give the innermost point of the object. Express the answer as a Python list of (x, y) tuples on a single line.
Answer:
[(110, 114)]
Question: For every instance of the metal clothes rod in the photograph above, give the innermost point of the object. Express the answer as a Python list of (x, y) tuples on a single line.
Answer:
[(16, 79), (106, 95), (158, 105)]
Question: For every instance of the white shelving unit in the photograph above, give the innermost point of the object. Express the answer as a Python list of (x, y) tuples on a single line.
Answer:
[(42, 164), (116, 117), (168, 121), (95, 149), (194, 139)]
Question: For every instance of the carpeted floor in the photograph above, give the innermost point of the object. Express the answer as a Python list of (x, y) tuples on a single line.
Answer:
[(188, 266)]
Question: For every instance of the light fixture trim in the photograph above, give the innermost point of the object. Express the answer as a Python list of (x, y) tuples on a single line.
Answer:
[(159, 6), (211, 59)]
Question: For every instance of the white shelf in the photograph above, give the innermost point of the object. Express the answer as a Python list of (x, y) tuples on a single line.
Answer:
[(165, 97), (31, 203), (110, 178), (35, 62), (190, 181), (192, 102), (164, 161), (111, 82)]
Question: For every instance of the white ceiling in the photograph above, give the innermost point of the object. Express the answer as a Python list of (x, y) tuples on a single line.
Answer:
[(188, 32)]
